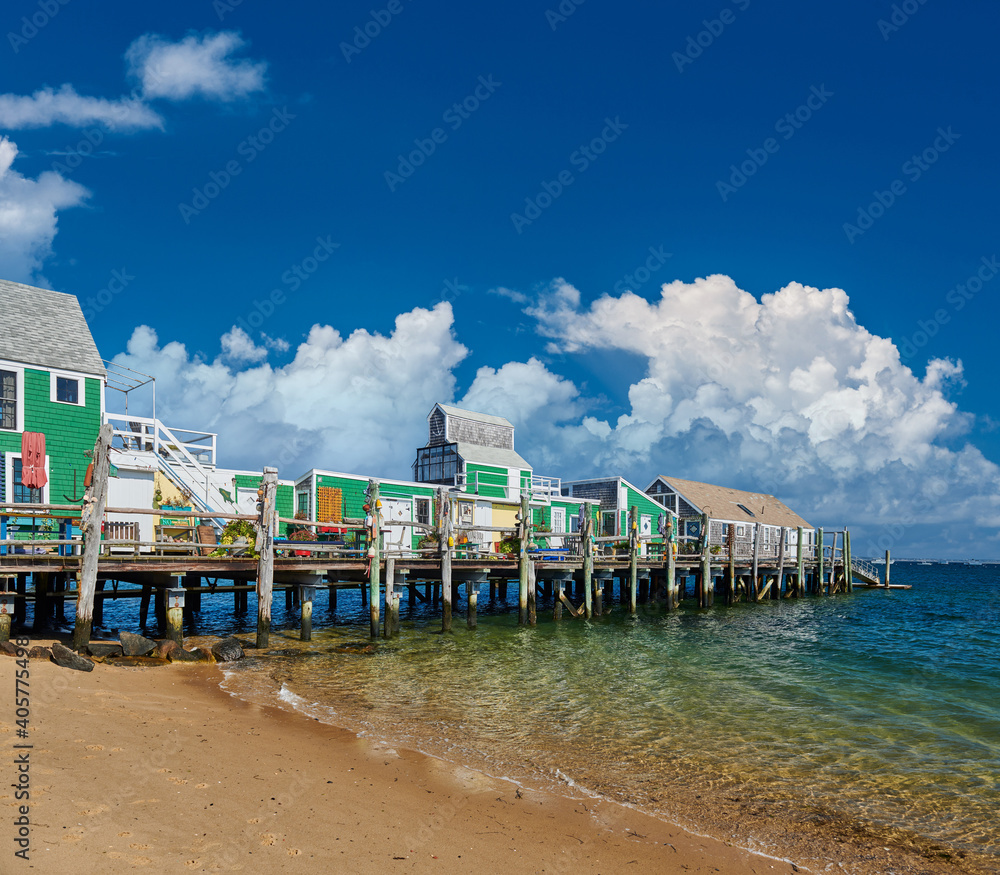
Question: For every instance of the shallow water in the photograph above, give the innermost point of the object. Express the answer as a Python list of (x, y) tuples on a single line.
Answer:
[(880, 707)]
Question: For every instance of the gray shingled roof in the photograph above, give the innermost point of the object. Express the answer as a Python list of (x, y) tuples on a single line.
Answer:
[(490, 456), (46, 328), (723, 503), (475, 417)]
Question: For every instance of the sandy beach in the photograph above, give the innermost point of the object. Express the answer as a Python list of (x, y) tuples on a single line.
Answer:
[(158, 768)]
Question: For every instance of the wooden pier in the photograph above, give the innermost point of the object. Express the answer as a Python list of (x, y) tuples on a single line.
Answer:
[(659, 571)]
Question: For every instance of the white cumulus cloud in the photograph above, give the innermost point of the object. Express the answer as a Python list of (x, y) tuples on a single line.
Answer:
[(195, 66), (355, 404), (29, 216)]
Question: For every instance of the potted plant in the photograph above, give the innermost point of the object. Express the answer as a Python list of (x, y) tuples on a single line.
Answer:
[(302, 533)]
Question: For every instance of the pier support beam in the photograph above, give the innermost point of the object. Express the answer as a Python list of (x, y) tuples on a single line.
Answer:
[(267, 516), (820, 563), (307, 595), (174, 596), (799, 565), (586, 533), (524, 530), (374, 558), (390, 596), (888, 563), (633, 558), (532, 595), (91, 517), (447, 542)]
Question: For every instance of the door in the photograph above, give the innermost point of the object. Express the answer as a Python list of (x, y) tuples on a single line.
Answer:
[(558, 525), (397, 538)]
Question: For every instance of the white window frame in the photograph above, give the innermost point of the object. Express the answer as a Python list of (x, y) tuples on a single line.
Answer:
[(81, 393), (19, 388), (8, 462)]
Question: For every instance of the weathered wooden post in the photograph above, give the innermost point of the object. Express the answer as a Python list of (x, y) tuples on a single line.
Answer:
[(633, 557), (670, 547), (267, 516), (307, 595), (446, 543), (471, 602), (374, 558), (174, 596), (820, 562), (7, 600), (94, 501), (731, 566), (557, 607), (707, 584), (799, 567), (888, 562), (781, 563), (390, 593), (848, 571), (524, 530), (586, 531), (832, 586), (532, 595), (752, 589)]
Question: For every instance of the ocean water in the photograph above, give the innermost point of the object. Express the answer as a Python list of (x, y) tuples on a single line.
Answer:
[(878, 708)]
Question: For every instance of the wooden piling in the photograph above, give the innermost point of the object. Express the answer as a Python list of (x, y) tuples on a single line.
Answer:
[(524, 530), (266, 520), (888, 564), (471, 603), (174, 610), (599, 595), (532, 595), (92, 515), (374, 558), (707, 587), (147, 592), (557, 607), (848, 558), (752, 588), (447, 542), (671, 549), (832, 585), (390, 594), (633, 557), (586, 533), (820, 561), (799, 564), (307, 594)]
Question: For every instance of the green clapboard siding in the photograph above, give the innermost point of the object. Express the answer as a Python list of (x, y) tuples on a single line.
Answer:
[(489, 481), (70, 432)]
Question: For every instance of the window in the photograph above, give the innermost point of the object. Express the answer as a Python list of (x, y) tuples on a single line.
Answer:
[(424, 511), (8, 400), (21, 494), (67, 388), (436, 464)]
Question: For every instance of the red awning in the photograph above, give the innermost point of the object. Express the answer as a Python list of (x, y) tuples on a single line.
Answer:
[(33, 460)]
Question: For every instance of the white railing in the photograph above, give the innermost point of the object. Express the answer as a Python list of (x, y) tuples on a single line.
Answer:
[(544, 489), (866, 569), (188, 461)]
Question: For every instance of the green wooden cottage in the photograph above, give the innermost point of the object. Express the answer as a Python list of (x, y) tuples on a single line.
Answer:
[(616, 496), (51, 382)]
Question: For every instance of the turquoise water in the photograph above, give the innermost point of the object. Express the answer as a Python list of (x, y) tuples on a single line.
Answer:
[(879, 707)]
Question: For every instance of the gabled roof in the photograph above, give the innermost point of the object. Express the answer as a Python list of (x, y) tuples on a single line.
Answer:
[(723, 503), (475, 417), (490, 456), (47, 329)]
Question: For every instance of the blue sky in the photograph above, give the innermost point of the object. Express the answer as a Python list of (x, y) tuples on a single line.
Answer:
[(398, 203)]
